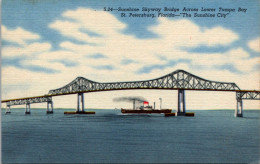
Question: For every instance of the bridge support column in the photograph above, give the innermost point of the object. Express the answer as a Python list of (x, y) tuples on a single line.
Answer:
[(239, 109), (27, 109), (181, 103), (80, 108), (49, 107), (8, 109)]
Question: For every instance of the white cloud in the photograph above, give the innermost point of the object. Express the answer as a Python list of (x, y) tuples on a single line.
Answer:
[(18, 35), (44, 64), (28, 50), (86, 23), (238, 58), (100, 22), (185, 33), (254, 44), (218, 36)]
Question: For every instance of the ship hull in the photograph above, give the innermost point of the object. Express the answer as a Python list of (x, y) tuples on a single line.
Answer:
[(157, 111)]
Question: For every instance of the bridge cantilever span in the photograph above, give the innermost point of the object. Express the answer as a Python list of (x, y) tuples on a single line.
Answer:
[(178, 80)]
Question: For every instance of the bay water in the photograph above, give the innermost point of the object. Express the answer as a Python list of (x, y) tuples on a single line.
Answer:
[(212, 136)]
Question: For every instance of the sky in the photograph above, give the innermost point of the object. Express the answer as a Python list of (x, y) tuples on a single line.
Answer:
[(46, 44)]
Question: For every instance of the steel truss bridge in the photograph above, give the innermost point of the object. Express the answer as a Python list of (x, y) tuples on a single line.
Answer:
[(178, 80)]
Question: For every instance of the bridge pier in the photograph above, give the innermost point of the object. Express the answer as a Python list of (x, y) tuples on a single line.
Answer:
[(27, 109), (181, 103), (80, 108), (239, 109), (49, 107), (8, 109)]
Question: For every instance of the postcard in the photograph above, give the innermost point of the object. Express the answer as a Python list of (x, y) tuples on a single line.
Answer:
[(130, 81)]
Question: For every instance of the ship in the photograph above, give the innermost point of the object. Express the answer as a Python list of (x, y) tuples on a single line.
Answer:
[(145, 110)]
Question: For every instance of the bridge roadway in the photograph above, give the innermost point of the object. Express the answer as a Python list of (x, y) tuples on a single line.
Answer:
[(178, 80)]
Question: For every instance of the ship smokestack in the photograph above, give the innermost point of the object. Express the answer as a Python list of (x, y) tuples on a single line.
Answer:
[(154, 105), (134, 104)]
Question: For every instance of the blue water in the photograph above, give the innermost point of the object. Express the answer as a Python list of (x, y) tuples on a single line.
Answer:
[(214, 136)]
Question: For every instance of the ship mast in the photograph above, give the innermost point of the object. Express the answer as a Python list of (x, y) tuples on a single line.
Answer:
[(160, 103)]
